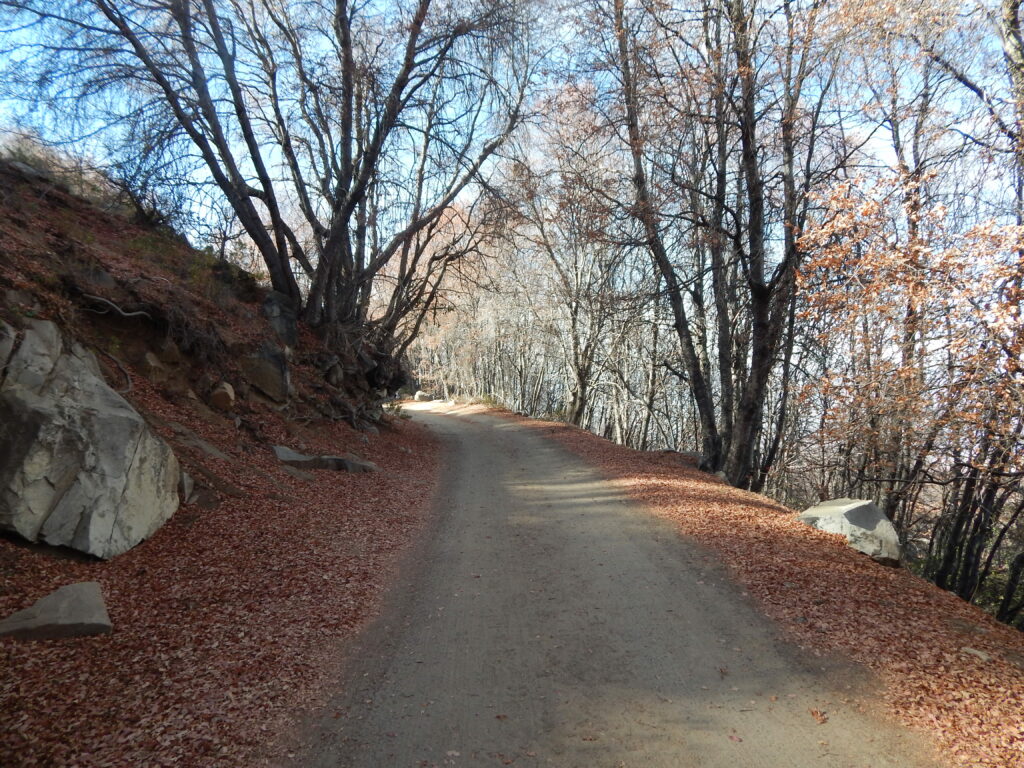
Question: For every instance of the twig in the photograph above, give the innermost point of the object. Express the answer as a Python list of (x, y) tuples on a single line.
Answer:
[(114, 306), (677, 373), (127, 376)]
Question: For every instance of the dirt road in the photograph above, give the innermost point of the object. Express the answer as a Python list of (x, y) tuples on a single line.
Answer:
[(547, 621)]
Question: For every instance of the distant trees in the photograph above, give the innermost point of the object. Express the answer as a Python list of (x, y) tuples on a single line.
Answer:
[(914, 288), (783, 234), (924, 389), (812, 213), (722, 111), (343, 135)]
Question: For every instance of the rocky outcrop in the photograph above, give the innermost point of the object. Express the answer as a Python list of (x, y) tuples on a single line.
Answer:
[(268, 372), (282, 315), (422, 397), (349, 462), (75, 610), (78, 465), (863, 524)]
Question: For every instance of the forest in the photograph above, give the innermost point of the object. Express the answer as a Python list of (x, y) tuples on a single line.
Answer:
[(785, 237)]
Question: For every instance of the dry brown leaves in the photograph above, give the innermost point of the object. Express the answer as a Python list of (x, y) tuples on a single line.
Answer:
[(829, 597), (228, 620)]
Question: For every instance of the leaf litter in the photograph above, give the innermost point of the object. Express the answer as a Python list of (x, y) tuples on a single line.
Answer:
[(230, 621), (924, 642)]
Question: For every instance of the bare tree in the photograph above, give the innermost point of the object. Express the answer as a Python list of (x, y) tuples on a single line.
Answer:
[(341, 133)]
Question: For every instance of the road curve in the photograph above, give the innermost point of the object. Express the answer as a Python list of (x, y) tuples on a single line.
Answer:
[(548, 621)]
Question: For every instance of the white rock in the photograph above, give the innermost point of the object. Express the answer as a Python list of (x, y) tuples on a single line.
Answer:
[(863, 524), (74, 610), (79, 467), (186, 487), (422, 397)]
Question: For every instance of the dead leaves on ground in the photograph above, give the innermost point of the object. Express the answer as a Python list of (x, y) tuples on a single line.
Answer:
[(226, 622), (829, 598)]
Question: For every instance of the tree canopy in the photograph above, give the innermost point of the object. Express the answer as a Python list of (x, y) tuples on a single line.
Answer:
[(785, 235)]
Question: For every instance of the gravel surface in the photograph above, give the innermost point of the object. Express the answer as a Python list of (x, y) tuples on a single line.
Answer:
[(552, 621)]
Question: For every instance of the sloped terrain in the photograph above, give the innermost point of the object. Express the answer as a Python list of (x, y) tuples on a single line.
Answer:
[(950, 669), (229, 619), (551, 621)]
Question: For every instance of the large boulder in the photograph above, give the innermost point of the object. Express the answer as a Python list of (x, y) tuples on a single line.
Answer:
[(75, 610), (863, 524), (423, 397), (79, 467)]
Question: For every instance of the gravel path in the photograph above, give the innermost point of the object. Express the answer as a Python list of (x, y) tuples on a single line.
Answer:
[(548, 621)]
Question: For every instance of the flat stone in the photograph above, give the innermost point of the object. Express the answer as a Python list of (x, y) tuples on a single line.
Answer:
[(346, 463), (985, 657), (75, 610), (298, 473), (189, 438)]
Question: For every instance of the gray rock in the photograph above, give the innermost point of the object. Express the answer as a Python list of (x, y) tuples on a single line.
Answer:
[(863, 524), (31, 172), (79, 467), (7, 337), (298, 473), (153, 369), (982, 655), (186, 487), (267, 371), (75, 610), (346, 463), (223, 397), (188, 438), (335, 375), (21, 300), (282, 314), (422, 397)]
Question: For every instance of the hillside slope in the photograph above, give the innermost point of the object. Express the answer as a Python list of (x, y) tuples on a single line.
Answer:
[(229, 619), (950, 669)]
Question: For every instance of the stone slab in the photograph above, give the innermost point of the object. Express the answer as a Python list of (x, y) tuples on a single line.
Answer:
[(74, 610)]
